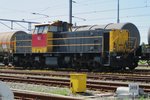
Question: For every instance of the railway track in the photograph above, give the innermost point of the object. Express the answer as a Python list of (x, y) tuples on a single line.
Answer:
[(94, 85), (98, 76), (62, 80), (28, 95), (136, 71)]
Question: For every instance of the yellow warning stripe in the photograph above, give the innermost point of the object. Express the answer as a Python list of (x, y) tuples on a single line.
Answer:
[(75, 45), (7, 42), (74, 38)]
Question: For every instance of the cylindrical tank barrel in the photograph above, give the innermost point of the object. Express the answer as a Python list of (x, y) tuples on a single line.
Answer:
[(7, 40), (133, 30)]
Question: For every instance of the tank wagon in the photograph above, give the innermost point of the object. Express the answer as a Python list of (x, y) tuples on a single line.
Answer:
[(103, 47), (7, 45), (145, 50)]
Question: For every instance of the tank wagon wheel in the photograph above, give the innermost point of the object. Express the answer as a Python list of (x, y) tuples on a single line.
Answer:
[(6, 61)]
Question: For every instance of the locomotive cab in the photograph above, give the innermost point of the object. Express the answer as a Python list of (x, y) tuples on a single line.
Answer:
[(42, 38)]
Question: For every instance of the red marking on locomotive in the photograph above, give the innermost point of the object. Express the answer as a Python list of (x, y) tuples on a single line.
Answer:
[(39, 40)]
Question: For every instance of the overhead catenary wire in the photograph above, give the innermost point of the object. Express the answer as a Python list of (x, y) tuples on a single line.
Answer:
[(86, 3), (108, 18), (89, 12), (108, 10), (100, 11)]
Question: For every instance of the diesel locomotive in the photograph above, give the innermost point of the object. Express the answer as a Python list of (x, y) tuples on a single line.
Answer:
[(58, 45)]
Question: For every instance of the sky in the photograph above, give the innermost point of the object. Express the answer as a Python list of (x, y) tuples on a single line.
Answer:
[(85, 12)]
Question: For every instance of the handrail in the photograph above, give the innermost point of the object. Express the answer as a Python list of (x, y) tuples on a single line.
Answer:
[(135, 43)]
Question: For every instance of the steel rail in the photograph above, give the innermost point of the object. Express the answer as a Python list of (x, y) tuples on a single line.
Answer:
[(102, 76), (28, 95), (96, 85)]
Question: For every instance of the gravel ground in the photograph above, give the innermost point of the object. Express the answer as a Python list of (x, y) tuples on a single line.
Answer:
[(89, 95), (39, 88), (143, 67)]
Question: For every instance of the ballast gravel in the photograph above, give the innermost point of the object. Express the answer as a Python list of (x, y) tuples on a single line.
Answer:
[(39, 88)]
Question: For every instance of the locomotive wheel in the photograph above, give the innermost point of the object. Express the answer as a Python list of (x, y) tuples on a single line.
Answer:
[(123, 68), (90, 68), (133, 66), (76, 66)]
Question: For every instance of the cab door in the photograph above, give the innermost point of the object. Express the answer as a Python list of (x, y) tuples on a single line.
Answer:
[(106, 39)]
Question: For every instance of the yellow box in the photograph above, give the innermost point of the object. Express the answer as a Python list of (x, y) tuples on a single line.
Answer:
[(78, 82)]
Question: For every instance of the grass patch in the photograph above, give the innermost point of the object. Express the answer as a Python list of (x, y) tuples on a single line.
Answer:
[(61, 92)]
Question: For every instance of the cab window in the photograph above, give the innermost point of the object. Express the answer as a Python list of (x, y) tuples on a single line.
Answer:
[(41, 29), (53, 29), (36, 30), (45, 29)]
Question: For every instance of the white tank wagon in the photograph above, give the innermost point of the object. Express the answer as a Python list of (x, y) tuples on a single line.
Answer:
[(7, 41), (7, 44)]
